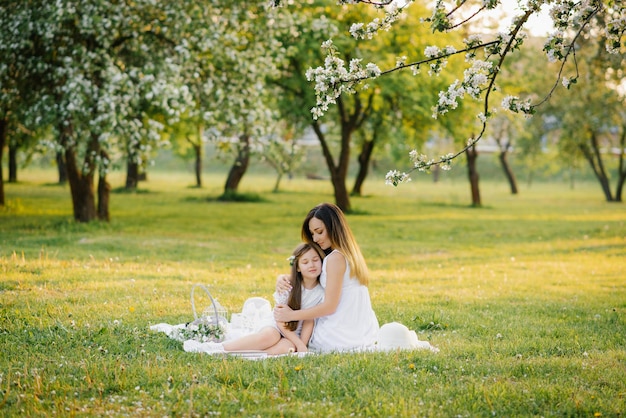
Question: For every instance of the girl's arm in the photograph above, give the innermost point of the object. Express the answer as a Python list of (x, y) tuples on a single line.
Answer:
[(307, 331), (293, 337), (335, 269)]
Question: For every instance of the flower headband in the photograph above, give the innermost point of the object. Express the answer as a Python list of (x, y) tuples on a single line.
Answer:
[(291, 260)]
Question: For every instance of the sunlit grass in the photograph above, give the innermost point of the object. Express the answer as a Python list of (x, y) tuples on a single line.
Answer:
[(525, 297)]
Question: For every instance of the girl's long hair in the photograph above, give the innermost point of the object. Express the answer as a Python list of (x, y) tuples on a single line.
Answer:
[(295, 297), (340, 236)]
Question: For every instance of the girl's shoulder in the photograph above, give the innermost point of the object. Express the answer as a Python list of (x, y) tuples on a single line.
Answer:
[(318, 287)]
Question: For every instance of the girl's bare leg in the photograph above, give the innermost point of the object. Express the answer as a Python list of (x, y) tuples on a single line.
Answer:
[(262, 340), (283, 346)]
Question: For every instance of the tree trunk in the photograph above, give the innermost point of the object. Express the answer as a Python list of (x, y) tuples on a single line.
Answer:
[(436, 171), (620, 186), (595, 161), (508, 172), (104, 192), (530, 178), (198, 166), (61, 168), (349, 123), (132, 174), (572, 177), (279, 177), (81, 187), (12, 163), (197, 146), (364, 162), (337, 175), (81, 180), (342, 198), (621, 168), (3, 136), (472, 156), (240, 166)]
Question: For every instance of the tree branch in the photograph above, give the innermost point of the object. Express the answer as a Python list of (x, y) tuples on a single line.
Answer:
[(570, 51)]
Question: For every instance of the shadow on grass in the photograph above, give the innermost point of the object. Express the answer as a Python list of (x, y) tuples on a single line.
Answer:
[(54, 184), (357, 212), (31, 183), (228, 197), (124, 190), (231, 196), (454, 205)]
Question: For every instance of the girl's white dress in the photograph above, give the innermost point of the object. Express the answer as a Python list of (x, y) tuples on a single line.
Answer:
[(353, 326), (310, 298)]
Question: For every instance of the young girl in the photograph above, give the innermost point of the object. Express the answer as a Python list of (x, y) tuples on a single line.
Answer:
[(345, 318), (285, 336)]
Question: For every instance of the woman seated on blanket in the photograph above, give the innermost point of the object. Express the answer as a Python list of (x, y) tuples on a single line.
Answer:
[(284, 337), (345, 319)]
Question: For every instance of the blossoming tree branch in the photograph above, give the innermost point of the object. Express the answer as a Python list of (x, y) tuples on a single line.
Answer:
[(484, 57)]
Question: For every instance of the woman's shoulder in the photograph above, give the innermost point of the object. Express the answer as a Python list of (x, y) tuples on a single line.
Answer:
[(335, 255), (336, 259)]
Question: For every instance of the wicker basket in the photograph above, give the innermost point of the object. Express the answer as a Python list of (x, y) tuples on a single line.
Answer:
[(210, 324)]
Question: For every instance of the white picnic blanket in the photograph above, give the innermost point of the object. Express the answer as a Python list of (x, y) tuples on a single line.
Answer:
[(257, 313)]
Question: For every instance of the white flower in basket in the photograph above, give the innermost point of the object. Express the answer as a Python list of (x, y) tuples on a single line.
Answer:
[(203, 330), (211, 326)]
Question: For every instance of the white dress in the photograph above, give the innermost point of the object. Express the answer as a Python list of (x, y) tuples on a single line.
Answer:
[(353, 326)]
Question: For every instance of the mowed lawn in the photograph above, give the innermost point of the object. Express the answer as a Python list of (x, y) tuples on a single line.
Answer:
[(525, 298)]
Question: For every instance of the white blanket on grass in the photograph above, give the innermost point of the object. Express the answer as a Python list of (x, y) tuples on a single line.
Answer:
[(257, 313)]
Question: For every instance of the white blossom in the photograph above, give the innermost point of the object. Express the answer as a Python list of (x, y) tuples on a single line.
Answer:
[(395, 177), (565, 82)]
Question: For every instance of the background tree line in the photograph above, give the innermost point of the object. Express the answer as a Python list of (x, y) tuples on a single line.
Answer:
[(104, 84)]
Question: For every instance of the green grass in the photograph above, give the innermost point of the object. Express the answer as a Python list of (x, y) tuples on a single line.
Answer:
[(525, 298)]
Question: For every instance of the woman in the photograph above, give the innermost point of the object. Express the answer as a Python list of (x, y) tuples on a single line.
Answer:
[(345, 320)]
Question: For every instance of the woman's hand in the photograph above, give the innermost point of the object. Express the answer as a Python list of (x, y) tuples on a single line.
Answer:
[(282, 313), (283, 284)]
